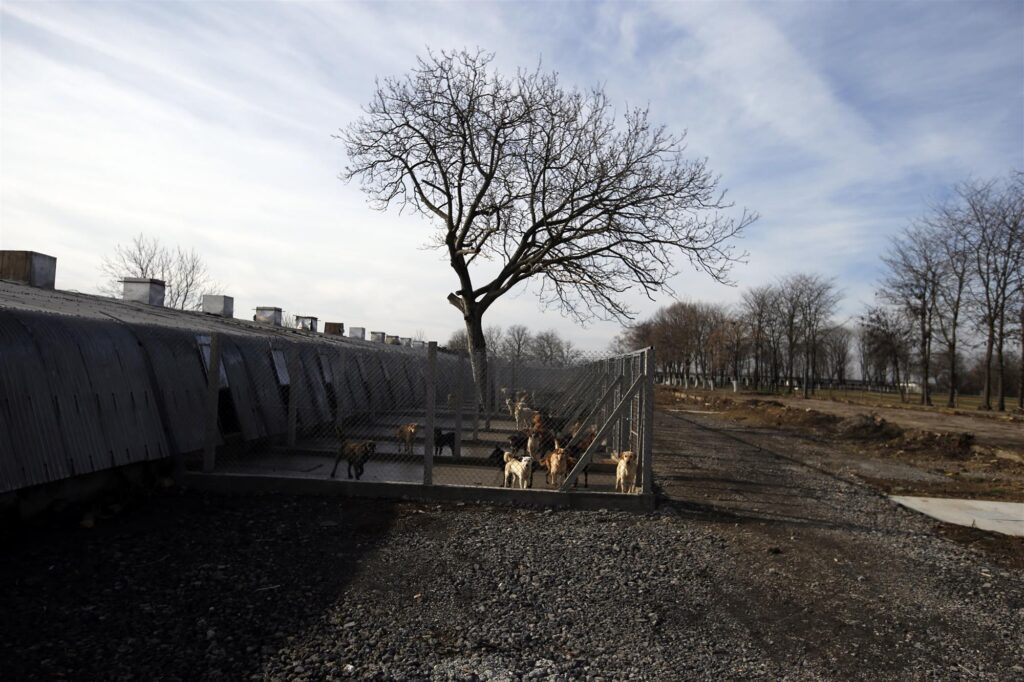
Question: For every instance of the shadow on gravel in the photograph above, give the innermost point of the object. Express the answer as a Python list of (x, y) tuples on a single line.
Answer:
[(183, 587)]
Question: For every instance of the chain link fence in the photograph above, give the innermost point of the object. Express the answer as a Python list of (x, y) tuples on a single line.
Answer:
[(86, 395), (384, 413)]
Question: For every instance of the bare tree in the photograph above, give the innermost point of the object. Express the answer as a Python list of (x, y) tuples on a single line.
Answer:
[(994, 231), (516, 343), (183, 272), (816, 299), (836, 345), (458, 342), (788, 312), (539, 180), (887, 335), (757, 308), (494, 335), (947, 225), (548, 348), (914, 265)]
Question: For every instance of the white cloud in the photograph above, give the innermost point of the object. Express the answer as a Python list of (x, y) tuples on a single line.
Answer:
[(209, 125)]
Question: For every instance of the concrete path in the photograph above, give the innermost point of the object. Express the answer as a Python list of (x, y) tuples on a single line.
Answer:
[(1001, 517)]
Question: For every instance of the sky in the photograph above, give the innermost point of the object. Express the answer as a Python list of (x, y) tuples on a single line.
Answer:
[(209, 125)]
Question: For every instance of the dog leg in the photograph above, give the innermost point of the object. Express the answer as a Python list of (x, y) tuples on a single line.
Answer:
[(335, 469)]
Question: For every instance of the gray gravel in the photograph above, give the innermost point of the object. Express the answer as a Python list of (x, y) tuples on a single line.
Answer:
[(755, 568)]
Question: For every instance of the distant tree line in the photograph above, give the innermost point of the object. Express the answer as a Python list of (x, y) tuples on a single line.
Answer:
[(518, 344), (948, 315)]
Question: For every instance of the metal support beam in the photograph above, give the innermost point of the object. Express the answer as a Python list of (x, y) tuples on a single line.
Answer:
[(648, 423), (431, 395), (605, 430), (212, 404)]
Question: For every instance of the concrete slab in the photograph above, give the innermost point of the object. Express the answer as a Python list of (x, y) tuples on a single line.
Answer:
[(1001, 517)]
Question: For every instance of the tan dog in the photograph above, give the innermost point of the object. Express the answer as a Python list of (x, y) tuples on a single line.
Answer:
[(517, 470), (556, 463), (625, 471), (406, 436)]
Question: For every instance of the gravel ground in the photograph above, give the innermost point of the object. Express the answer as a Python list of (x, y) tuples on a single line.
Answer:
[(755, 567)]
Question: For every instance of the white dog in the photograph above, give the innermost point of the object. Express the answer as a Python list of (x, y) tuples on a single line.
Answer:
[(517, 470), (524, 415), (625, 472)]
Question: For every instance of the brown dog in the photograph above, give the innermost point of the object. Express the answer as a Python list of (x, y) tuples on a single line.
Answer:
[(625, 472), (355, 453), (406, 436)]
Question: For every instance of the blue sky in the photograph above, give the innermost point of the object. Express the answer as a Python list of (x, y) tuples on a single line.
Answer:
[(209, 125)]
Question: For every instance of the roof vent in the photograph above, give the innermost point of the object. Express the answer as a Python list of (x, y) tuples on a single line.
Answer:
[(222, 306), (28, 267), (378, 336), (334, 328), (305, 322), (357, 333), (268, 315), (144, 290)]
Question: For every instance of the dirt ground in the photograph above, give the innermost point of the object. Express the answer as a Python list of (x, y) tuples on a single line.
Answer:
[(899, 451)]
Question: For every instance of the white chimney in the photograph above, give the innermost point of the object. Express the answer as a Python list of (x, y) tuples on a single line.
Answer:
[(357, 333), (144, 290)]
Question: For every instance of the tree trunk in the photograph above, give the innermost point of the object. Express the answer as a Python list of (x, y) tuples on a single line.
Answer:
[(1001, 367), (1020, 378), (986, 397), (952, 375), (926, 352), (477, 354), (807, 372), (896, 377)]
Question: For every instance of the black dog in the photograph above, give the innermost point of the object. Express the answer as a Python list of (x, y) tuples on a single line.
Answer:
[(442, 440), (355, 453), (517, 442)]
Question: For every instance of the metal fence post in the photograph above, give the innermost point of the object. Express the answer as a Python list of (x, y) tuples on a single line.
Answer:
[(460, 379), (212, 404), (293, 403), (648, 422), (431, 395), (339, 382)]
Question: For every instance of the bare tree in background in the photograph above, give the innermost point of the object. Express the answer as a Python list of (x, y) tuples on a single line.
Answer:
[(540, 181), (756, 307), (946, 223), (994, 230), (788, 312), (914, 265), (184, 273), (816, 301), (887, 337), (458, 342), (516, 344), (836, 345)]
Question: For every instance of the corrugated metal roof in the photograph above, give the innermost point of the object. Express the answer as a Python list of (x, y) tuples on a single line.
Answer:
[(88, 382)]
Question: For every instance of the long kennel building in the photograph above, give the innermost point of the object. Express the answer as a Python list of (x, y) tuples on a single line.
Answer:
[(90, 384)]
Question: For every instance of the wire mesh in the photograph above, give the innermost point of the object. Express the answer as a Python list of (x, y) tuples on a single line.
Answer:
[(385, 413)]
